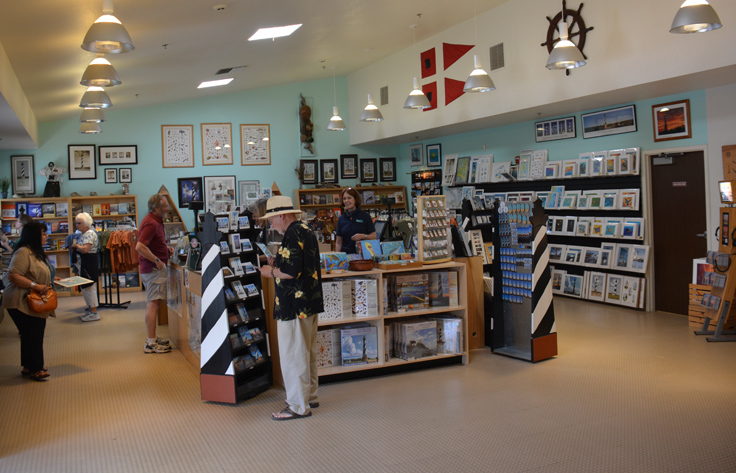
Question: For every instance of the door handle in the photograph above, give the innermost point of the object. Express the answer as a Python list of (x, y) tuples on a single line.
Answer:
[(701, 235)]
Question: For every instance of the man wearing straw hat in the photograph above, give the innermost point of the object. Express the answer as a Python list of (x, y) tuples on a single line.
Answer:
[(296, 272)]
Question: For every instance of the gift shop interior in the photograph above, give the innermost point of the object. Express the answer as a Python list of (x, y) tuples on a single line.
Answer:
[(524, 211)]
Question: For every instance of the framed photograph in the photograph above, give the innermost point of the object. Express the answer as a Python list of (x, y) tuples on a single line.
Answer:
[(24, 177), (368, 171), (573, 285), (116, 155), (309, 171), (248, 192), (672, 121), (348, 166), (82, 162), (328, 170), (416, 155), (557, 129), (217, 141), (596, 286), (609, 122), (434, 155), (556, 252), (613, 288), (609, 200), (551, 170), (190, 188), (558, 275), (219, 194), (388, 169), (177, 146), (111, 176), (126, 175), (622, 257), (639, 258), (255, 145)]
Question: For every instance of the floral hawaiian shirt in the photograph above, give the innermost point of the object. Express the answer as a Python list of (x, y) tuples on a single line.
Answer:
[(299, 257)]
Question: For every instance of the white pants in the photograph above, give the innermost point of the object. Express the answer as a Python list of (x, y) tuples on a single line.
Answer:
[(298, 352), (90, 295)]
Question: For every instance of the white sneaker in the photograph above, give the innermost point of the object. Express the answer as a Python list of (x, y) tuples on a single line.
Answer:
[(155, 348), (90, 317)]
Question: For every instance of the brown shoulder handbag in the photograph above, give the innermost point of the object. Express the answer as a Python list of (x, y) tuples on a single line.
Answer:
[(42, 303)]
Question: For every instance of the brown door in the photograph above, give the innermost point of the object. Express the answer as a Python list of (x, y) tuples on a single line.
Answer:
[(678, 205)]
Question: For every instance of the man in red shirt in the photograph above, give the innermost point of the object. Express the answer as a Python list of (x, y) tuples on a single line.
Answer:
[(153, 254)]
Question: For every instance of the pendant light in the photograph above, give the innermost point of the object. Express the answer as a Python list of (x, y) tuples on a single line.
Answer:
[(90, 128), (695, 16), (416, 100), (336, 122), (95, 97), (100, 72), (478, 80), (564, 54), (371, 113), (107, 34), (92, 115)]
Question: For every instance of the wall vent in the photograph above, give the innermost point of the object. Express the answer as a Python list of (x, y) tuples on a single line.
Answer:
[(384, 95), (497, 56)]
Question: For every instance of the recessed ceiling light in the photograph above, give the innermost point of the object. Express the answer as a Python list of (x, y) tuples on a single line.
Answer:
[(214, 83), (274, 32)]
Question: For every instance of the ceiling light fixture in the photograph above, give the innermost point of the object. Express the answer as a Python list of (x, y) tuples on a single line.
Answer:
[(100, 72), (371, 113), (695, 16), (95, 97), (478, 80), (564, 54), (90, 128), (416, 100), (274, 32), (214, 83), (107, 34), (92, 115), (336, 122)]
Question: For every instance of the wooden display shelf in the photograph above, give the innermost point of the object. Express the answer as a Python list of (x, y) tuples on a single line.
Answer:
[(352, 320), (430, 311), (351, 274), (37, 218), (333, 370), (378, 192)]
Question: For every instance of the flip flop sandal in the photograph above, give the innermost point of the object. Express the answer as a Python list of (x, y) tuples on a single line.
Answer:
[(288, 414)]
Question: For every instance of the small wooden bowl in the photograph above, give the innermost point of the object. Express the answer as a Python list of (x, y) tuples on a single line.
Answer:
[(361, 265)]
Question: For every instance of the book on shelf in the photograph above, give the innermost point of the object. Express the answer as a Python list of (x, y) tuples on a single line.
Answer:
[(233, 220), (35, 210), (105, 208), (243, 222), (114, 209), (337, 300), (246, 245), (256, 353), (224, 248), (124, 208), (408, 292), (48, 210), (328, 348), (245, 335), (443, 291), (96, 210), (449, 334), (235, 341), (230, 295), (415, 339), (359, 345), (223, 224), (243, 314)]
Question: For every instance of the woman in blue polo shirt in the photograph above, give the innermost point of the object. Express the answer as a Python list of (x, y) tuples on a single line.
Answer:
[(354, 224)]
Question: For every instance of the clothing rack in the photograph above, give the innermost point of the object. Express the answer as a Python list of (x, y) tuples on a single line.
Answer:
[(110, 280)]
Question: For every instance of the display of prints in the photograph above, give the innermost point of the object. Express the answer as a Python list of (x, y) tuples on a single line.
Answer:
[(557, 129), (501, 171), (82, 162), (24, 181), (387, 169), (177, 145), (368, 170), (328, 170), (484, 169), (525, 158), (609, 122), (308, 168), (448, 170), (248, 192), (255, 144), (219, 194), (217, 139), (348, 166), (536, 168), (596, 286), (416, 155)]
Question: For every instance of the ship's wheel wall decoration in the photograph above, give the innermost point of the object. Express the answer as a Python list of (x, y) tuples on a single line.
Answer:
[(577, 31)]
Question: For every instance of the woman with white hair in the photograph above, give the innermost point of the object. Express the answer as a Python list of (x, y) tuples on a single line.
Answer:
[(88, 246)]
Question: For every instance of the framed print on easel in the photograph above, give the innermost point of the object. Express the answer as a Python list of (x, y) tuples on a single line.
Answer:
[(177, 146), (82, 163), (255, 145), (217, 139)]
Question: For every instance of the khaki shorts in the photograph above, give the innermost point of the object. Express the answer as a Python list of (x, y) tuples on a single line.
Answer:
[(155, 283)]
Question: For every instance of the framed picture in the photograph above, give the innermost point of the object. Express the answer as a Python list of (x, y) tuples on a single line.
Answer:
[(111, 176), (82, 162), (368, 170), (217, 140), (177, 146), (255, 145), (557, 129), (219, 194), (609, 122), (24, 177), (416, 155), (114, 155), (348, 166), (190, 188), (309, 171), (126, 175), (328, 170), (248, 192), (573, 285), (387, 169), (434, 155), (672, 120)]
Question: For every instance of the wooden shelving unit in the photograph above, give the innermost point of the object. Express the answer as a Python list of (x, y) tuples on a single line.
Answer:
[(173, 223), (329, 198)]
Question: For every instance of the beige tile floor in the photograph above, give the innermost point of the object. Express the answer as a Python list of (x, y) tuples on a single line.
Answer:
[(630, 392)]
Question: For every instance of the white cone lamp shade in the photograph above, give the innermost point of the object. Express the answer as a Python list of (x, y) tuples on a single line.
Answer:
[(336, 123), (92, 115), (565, 55), (371, 113), (95, 97), (416, 99), (100, 72), (695, 16), (478, 80), (90, 128)]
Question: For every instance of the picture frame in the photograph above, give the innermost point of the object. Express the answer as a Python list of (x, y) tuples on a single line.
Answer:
[(23, 174), (368, 170), (551, 170), (248, 192), (612, 121), (569, 168), (217, 143), (434, 155), (573, 285), (116, 155), (555, 129), (328, 171), (556, 252), (387, 169), (190, 189), (613, 288), (639, 258), (82, 163), (622, 257), (416, 155), (671, 120), (309, 170), (596, 286), (348, 166), (125, 175), (255, 144), (111, 176), (558, 276), (177, 146), (219, 194)]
